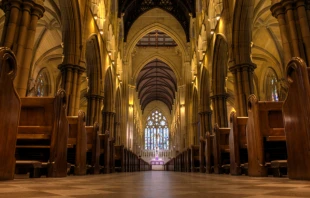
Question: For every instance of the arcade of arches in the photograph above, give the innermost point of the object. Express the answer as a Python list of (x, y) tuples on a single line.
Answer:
[(156, 75)]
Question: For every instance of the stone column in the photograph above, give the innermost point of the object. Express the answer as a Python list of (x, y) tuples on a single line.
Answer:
[(21, 18), (220, 109), (71, 81), (108, 122), (243, 76), (293, 20), (205, 122), (93, 109)]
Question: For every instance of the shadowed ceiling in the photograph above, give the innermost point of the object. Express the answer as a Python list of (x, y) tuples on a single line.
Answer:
[(156, 81), (180, 9)]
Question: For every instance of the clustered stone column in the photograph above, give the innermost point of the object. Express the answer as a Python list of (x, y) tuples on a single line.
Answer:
[(21, 18), (293, 17), (220, 109), (108, 122), (71, 82), (205, 122), (94, 104), (243, 76)]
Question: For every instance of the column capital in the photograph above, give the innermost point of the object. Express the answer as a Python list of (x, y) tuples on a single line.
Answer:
[(94, 96), (223, 95), (243, 66), (208, 112), (6, 5), (277, 9), (38, 10), (63, 67)]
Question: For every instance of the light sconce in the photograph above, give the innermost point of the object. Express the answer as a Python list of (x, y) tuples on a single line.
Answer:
[(130, 106), (182, 105), (110, 53), (204, 53), (200, 62), (101, 31), (120, 82), (212, 31), (113, 62), (218, 17), (118, 75), (95, 16)]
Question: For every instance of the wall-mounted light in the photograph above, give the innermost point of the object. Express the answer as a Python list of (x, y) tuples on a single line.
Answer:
[(118, 75), (200, 62), (113, 62), (120, 82), (204, 53), (130, 106), (110, 53), (95, 16), (101, 31), (182, 105), (212, 31), (218, 17)]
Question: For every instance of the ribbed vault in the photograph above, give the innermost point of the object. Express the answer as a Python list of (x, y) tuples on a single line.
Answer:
[(180, 9), (156, 81)]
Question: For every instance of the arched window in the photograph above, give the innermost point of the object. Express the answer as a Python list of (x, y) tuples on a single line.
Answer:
[(42, 83), (271, 86), (156, 132)]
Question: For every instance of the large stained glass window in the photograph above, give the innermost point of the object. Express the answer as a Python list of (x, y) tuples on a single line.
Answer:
[(156, 132)]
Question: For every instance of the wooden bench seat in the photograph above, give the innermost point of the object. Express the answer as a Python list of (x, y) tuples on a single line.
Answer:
[(265, 135), (104, 158), (42, 135), (296, 113), (76, 144), (9, 111), (195, 159), (221, 150), (238, 144), (93, 148), (119, 158)]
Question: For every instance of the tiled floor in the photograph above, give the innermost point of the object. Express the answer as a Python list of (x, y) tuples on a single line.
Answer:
[(157, 184)]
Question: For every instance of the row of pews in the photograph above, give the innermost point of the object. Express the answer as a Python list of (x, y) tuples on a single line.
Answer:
[(273, 140), (38, 138)]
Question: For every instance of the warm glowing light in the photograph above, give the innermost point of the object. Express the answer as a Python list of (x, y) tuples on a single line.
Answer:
[(95, 16), (218, 17), (101, 31), (212, 31)]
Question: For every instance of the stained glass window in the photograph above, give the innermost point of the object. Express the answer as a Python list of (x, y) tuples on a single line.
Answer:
[(271, 86), (42, 83), (156, 132)]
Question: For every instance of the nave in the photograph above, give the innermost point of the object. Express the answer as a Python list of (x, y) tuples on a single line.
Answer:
[(154, 184)]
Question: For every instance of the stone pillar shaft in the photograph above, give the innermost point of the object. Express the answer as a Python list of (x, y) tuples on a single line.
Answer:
[(220, 109), (293, 17), (205, 122), (19, 33), (243, 77), (71, 77)]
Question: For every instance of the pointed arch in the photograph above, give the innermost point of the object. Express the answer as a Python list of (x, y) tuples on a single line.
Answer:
[(118, 116), (195, 119), (72, 31), (93, 72), (108, 91), (219, 68)]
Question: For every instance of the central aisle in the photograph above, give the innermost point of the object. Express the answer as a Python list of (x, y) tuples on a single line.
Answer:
[(155, 184)]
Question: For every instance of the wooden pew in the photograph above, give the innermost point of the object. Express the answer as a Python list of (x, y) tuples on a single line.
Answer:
[(237, 143), (104, 159), (9, 110), (266, 140), (202, 154), (195, 159), (221, 149), (296, 113), (119, 158), (209, 152), (42, 136), (93, 148), (77, 143)]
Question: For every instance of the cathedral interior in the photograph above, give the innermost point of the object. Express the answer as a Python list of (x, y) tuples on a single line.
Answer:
[(155, 98)]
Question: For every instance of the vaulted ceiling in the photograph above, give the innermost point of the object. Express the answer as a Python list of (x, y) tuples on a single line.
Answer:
[(180, 9), (156, 81)]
